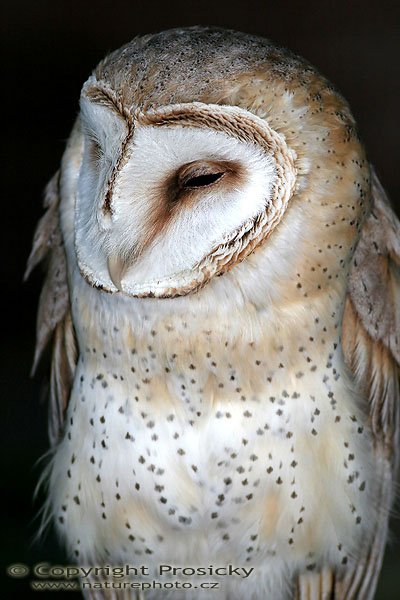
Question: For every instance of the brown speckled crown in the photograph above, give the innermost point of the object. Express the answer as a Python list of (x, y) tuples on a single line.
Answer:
[(196, 64)]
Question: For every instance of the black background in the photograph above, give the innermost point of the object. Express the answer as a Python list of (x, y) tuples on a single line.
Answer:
[(51, 47)]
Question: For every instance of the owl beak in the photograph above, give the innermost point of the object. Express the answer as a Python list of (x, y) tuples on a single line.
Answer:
[(116, 268)]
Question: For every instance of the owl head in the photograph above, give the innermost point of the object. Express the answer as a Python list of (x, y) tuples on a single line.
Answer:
[(199, 148)]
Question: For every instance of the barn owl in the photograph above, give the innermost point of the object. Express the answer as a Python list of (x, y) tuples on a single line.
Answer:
[(222, 300)]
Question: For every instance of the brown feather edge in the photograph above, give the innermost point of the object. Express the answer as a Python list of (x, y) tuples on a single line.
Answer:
[(381, 387), (54, 322)]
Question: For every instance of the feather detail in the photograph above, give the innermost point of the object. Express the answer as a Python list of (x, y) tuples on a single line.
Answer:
[(62, 372), (360, 579), (316, 586), (47, 227), (370, 340), (374, 280), (54, 317)]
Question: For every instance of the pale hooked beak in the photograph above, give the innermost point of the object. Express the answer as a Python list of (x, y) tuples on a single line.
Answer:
[(116, 268)]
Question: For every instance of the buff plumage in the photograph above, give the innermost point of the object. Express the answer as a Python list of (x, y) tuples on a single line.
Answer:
[(222, 296)]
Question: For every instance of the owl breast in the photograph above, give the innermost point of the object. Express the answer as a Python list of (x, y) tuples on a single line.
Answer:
[(192, 438)]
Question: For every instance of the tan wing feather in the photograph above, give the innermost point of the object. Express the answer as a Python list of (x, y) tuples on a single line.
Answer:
[(54, 314), (371, 346)]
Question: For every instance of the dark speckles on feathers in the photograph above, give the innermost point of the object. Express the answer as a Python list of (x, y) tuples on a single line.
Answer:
[(149, 72)]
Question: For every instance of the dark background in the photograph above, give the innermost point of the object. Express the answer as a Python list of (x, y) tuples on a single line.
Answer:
[(50, 48)]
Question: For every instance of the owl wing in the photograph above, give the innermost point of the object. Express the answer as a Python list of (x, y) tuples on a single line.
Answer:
[(54, 320), (371, 347)]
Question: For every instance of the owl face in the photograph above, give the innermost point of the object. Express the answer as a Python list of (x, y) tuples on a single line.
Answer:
[(190, 148), (171, 197)]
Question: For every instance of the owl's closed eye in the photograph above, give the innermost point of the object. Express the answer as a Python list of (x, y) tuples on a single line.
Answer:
[(158, 203)]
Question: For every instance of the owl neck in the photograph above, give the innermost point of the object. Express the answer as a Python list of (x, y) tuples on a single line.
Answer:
[(212, 333)]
